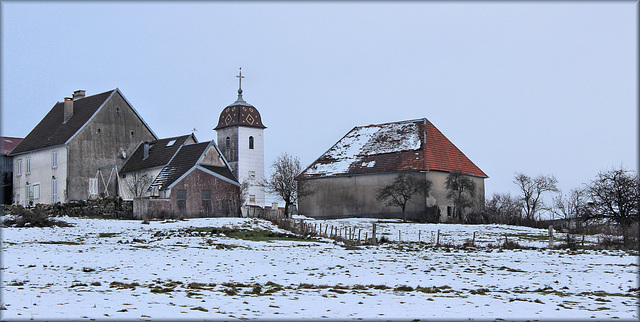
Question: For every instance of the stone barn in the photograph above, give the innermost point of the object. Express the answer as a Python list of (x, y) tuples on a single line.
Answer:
[(344, 180)]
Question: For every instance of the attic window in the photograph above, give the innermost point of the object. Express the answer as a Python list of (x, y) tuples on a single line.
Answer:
[(171, 143)]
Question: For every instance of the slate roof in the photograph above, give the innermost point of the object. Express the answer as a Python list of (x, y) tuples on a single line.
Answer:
[(159, 153), (392, 147), (221, 170), (8, 143), (53, 131), (185, 159)]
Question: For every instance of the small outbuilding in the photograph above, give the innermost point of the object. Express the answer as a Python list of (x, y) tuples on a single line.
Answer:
[(344, 181)]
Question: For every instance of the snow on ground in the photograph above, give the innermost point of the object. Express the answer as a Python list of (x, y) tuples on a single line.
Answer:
[(106, 269)]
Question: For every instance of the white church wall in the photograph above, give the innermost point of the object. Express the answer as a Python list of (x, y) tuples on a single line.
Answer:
[(251, 160)]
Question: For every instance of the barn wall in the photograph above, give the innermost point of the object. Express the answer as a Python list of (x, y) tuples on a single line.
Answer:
[(439, 192), (355, 196), (224, 195)]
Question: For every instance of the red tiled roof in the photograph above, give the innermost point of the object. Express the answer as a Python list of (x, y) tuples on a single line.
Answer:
[(443, 155), (392, 147), (8, 143)]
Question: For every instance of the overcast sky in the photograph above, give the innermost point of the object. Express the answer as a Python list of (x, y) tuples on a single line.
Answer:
[(535, 87)]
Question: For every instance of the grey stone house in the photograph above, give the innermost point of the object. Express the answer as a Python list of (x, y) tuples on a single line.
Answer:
[(76, 149), (345, 179)]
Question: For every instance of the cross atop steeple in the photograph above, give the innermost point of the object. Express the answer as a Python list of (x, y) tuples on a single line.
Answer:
[(240, 77)]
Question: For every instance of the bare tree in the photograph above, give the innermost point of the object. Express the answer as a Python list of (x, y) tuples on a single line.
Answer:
[(532, 190), (461, 191), (504, 209), (613, 197), (282, 182), (401, 190), (137, 183), (570, 207)]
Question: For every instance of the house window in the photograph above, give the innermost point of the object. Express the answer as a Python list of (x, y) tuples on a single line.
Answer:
[(54, 159), (181, 195), (252, 198), (206, 202), (251, 143), (27, 194), (36, 191), (252, 175), (54, 190), (28, 170), (17, 199), (93, 187), (19, 167)]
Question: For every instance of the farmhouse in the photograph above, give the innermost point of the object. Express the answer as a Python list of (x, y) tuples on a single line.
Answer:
[(344, 180), (73, 152)]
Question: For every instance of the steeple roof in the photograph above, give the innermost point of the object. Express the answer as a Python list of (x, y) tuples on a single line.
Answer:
[(240, 113)]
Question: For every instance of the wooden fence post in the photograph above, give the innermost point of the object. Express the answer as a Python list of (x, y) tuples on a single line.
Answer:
[(399, 237), (550, 236), (438, 239), (473, 241), (373, 235), (419, 232)]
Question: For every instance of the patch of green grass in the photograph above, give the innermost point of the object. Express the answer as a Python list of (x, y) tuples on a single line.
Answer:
[(247, 234), (508, 269), (106, 235), (480, 291), (199, 308), (59, 242), (403, 288), (121, 285)]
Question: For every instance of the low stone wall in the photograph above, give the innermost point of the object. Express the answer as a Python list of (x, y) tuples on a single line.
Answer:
[(147, 208), (114, 208)]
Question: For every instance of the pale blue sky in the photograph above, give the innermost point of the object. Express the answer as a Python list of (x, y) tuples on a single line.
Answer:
[(535, 87)]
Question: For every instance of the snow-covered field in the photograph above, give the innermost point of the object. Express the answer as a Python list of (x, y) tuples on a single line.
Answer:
[(117, 269)]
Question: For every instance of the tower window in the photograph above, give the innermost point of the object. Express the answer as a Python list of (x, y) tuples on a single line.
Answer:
[(228, 144), (251, 142)]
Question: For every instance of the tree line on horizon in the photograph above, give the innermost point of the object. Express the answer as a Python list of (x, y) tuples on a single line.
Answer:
[(610, 200)]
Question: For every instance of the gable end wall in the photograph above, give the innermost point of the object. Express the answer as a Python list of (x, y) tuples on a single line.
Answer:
[(100, 144)]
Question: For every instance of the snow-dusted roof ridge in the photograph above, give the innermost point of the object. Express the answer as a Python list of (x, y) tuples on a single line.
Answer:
[(363, 141)]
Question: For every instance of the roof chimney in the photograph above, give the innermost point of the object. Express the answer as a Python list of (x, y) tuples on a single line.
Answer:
[(68, 108), (78, 94)]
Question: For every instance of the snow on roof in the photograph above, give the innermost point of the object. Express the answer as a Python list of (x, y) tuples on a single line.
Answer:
[(365, 141), (392, 147)]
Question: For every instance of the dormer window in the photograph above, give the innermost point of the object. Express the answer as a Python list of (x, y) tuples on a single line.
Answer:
[(251, 143)]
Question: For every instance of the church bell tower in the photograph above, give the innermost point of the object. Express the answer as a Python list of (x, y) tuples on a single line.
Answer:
[(240, 138)]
